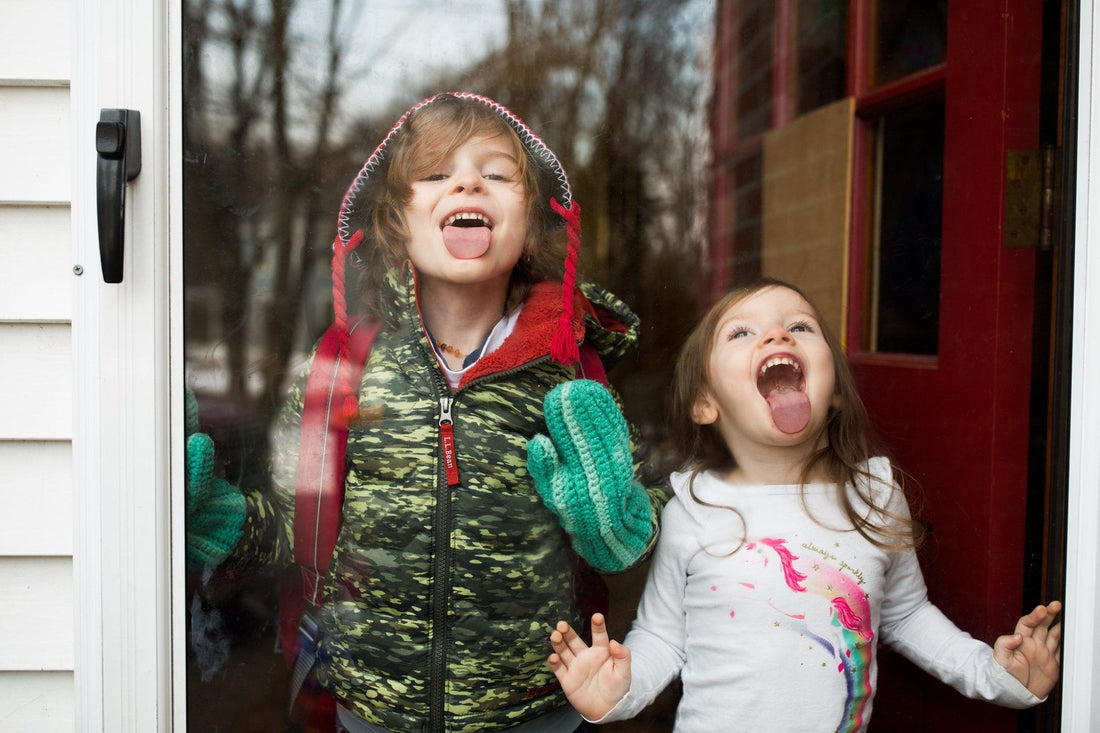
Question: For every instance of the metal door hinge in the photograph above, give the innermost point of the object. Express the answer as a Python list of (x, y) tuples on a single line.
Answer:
[(1032, 197)]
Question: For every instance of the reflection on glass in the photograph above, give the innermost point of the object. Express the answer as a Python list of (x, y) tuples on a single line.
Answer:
[(778, 61), (754, 61), (283, 101), (743, 210), (822, 53), (909, 36), (905, 286)]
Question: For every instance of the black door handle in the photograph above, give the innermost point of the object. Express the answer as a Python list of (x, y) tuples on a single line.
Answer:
[(118, 145)]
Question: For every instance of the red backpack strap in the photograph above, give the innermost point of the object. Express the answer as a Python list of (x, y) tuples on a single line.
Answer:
[(319, 492), (590, 365)]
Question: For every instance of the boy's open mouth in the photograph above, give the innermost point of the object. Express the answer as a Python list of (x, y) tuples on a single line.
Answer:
[(467, 234), (782, 384)]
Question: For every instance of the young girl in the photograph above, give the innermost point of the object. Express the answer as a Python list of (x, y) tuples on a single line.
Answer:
[(451, 550), (786, 553)]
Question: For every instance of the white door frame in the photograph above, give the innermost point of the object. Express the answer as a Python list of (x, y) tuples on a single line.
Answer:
[(121, 347), (1081, 669)]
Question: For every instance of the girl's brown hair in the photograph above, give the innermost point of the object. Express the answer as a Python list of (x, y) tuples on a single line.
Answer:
[(430, 134), (848, 444)]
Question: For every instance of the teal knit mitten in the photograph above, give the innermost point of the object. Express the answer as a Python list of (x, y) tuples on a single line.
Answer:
[(215, 509), (584, 472)]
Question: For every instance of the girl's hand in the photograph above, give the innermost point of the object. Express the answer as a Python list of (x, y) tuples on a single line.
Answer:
[(1032, 654), (594, 678)]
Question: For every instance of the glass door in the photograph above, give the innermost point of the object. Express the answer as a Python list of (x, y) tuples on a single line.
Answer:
[(854, 147), (282, 104)]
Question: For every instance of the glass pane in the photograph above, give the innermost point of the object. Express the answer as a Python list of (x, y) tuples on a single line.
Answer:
[(754, 64), (909, 36), (905, 292), (766, 140), (284, 101), (736, 221), (822, 53), (746, 110)]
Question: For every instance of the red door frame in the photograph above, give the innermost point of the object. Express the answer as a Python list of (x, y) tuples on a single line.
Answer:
[(958, 422)]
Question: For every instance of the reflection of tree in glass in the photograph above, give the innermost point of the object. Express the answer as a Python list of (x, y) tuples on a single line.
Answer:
[(618, 88), (283, 101), (276, 123), (258, 187)]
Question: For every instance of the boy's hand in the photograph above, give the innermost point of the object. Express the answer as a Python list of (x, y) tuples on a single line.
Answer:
[(594, 678), (1032, 654), (584, 472)]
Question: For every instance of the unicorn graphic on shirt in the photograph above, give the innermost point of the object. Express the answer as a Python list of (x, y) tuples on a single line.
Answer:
[(822, 602)]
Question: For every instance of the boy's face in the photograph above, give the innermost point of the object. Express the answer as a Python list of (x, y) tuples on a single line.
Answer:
[(771, 377), (467, 218)]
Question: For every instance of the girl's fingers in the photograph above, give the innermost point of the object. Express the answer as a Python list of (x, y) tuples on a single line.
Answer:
[(599, 630), (559, 644), (1038, 622), (1045, 624), (1054, 612), (1054, 635), (566, 642), (568, 645), (1054, 641)]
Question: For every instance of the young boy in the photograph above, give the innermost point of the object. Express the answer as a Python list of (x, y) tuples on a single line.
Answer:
[(451, 553)]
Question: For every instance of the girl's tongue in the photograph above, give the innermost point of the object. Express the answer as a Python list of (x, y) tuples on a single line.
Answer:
[(790, 409), (781, 386), (467, 243)]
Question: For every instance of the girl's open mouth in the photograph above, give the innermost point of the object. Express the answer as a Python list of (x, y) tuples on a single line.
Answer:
[(782, 384)]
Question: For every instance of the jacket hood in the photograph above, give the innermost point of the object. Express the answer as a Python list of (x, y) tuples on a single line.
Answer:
[(561, 206), (377, 165)]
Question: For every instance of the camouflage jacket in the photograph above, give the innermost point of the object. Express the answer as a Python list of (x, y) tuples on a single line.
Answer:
[(439, 599)]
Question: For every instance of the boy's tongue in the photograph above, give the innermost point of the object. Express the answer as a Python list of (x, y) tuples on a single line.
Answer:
[(790, 408), (466, 243)]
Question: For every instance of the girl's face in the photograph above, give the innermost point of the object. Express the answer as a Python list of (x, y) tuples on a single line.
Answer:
[(770, 374), (467, 218)]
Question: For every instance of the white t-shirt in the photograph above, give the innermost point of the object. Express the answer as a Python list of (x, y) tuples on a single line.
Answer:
[(780, 633)]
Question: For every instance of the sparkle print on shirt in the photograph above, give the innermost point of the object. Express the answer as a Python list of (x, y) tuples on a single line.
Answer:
[(824, 603)]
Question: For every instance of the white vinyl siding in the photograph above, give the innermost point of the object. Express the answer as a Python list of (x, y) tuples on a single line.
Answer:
[(36, 366), (36, 701), (36, 500), (36, 387), (35, 39), (34, 145), (38, 603), (35, 239)]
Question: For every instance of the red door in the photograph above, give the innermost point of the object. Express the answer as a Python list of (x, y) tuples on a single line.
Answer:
[(951, 399), (938, 315)]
